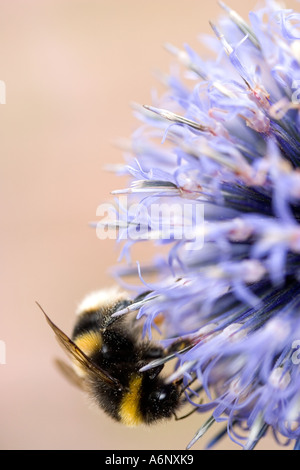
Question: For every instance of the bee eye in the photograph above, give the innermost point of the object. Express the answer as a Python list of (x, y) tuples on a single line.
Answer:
[(158, 395)]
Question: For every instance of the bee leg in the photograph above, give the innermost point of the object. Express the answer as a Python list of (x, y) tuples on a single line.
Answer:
[(152, 373), (182, 391), (188, 385), (186, 415)]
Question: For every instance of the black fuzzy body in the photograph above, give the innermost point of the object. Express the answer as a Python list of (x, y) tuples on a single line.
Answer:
[(122, 356)]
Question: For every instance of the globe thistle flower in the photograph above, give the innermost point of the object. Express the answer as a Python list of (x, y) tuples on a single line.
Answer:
[(221, 151)]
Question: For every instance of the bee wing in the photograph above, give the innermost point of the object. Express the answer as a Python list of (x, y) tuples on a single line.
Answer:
[(71, 348), (70, 374)]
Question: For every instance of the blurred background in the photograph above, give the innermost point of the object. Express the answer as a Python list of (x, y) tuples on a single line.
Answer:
[(71, 69)]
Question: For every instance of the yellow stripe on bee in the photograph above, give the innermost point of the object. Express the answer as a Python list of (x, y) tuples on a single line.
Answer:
[(89, 342), (129, 411)]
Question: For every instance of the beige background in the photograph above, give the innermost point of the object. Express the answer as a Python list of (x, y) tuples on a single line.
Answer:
[(71, 69)]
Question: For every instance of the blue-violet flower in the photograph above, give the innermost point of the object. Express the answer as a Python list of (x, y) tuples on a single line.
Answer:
[(219, 152)]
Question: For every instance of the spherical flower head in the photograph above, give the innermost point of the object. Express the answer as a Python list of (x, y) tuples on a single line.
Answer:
[(215, 181)]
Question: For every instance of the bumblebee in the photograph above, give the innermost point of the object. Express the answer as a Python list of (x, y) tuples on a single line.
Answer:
[(106, 360)]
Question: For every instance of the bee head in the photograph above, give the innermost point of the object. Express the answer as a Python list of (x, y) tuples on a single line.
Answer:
[(160, 400)]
